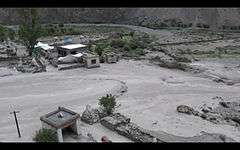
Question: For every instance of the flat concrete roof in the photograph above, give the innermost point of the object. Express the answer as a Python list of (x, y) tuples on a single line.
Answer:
[(54, 119), (73, 46)]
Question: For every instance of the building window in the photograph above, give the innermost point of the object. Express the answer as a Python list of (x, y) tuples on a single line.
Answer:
[(74, 52), (93, 61)]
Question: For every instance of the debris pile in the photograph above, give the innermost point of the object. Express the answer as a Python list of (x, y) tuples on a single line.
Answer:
[(31, 65), (123, 126), (225, 113), (91, 115)]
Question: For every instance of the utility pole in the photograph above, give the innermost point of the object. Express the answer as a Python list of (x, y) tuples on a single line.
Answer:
[(15, 116)]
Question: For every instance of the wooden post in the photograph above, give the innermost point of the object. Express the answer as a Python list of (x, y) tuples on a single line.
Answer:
[(15, 116)]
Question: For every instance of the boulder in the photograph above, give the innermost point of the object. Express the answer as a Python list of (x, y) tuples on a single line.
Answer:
[(169, 62), (101, 113), (224, 104), (180, 58), (90, 115), (114, 120), (135, 133), (123, 126), (185, 109)]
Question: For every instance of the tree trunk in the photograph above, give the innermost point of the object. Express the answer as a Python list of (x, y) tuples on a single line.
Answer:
[(30, 53)]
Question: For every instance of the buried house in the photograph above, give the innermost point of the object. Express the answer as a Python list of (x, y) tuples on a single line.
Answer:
[(46, 50), (110, 57), (70, 49), (60, 120), (90, 60)]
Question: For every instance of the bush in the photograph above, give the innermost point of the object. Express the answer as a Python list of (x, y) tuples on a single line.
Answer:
[(4, 33), (11, 34), (99, 49), (108, 103), (116, 43), (60, 25), (127, 48), (45, 135), (206, 26), (135, 53)]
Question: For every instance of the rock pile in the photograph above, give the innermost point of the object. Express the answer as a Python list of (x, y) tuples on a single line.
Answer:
[(91, 115), (123, 126), (168, 62), (187, 110), (31, 65), (168, 59), (225, 113)]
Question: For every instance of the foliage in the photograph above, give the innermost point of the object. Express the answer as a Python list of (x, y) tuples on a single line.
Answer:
[(11, 34), (116, 43), (108, 102), (132, 44), (100, 47), (6, 33), (45, 135), (60, 25), (36, 52), (30, 28), (3, 33)]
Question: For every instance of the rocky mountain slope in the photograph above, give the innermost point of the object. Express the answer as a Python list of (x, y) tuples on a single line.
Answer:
[(151, 17)]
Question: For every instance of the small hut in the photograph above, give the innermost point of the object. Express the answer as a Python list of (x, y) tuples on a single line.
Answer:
[(61, 119), (91, 60), (110, 57)]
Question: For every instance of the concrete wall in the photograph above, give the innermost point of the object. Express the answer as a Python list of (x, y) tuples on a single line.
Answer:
[(89, 64), (75, 127)]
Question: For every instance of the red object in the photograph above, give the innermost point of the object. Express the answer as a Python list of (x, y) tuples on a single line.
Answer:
[(104, 139)]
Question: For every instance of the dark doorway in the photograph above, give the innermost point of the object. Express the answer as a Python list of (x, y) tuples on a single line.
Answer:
[(93, 61)]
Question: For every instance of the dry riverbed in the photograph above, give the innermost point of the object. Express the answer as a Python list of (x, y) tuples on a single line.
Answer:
[(151, 100), (153, 93)]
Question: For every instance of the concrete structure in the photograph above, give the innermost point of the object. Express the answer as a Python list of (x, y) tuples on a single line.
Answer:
[(91, 60), (61, 119), (70, 49), (110, 57), (21, 51), (46, 50)]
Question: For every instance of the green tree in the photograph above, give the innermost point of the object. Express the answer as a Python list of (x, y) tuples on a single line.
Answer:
[(45, 135), (108, 103), (30, 28), (3, 33)]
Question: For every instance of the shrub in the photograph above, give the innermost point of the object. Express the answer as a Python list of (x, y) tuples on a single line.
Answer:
[(60, 25), (199, 25), (127, 48), (116, 43), (206, 26), (3, 33), (45, 135), (63, 30), (108, 103), (135, 53), (133, 44), (99, 48), (11, 34)]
